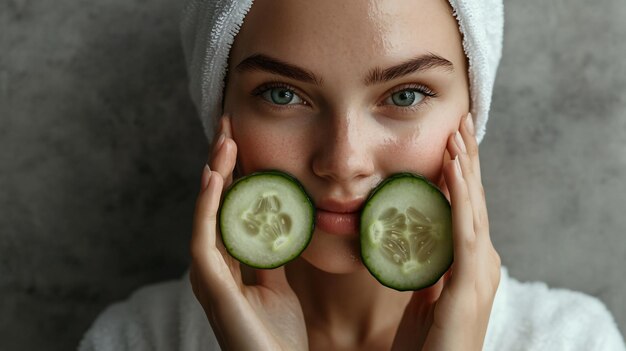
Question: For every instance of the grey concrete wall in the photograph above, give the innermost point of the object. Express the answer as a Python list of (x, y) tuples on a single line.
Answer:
[(100, 156)]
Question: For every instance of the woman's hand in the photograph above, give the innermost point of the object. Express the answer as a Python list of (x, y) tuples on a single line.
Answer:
[(264, 316), (454, 313)]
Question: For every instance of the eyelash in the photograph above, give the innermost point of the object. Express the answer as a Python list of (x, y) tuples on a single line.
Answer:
[(420, 88), (263, 88)]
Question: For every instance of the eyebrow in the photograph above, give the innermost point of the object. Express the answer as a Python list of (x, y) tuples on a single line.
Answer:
[(418, 64), (376, 76)]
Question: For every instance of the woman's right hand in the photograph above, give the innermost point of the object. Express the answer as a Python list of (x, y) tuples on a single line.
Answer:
[(264, 316)]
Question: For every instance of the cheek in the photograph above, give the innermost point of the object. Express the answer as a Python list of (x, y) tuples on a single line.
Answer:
[(417, 157), (420, 152), (262, 147)]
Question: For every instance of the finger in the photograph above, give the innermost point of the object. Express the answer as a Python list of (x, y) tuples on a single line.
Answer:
[(467, 132), (477, 190), (272, 278), (487, 259), (464, 238), (222, 162), (217, 140), (205, 215), (442, 179), (208, 263), (224, 156), (462, 147)]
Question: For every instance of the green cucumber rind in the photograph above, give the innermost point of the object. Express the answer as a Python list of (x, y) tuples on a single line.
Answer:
[(248, 178), (362, 235)]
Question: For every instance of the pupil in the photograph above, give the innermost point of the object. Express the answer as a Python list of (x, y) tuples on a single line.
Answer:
[(404, 98), (282, 96)]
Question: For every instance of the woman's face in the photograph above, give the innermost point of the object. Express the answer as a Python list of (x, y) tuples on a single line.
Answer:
[(342, 94)]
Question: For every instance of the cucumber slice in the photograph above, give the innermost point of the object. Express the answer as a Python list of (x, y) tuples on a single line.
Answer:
[(406, 233), (266, 219)]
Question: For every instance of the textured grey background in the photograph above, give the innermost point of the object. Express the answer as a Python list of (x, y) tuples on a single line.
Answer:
[(100, 156)]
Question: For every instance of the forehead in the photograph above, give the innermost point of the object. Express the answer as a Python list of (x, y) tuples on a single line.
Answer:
[(323, 35)]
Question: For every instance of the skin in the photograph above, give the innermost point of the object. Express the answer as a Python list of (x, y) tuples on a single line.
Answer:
[(340, 137)]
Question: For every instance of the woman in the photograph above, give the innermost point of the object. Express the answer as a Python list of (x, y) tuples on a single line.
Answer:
[(342, 94)]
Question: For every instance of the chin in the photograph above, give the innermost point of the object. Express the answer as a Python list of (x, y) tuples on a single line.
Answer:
[(334, 254)]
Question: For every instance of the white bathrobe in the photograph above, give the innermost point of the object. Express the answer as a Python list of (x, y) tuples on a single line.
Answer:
[(525, 316)]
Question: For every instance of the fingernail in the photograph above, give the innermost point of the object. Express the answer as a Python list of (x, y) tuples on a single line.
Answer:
[(459, 141), (220, 141), (206, 175), (457, 165), (469, 123)]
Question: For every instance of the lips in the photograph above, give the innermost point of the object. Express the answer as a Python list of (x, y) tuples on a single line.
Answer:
[(338, 217)]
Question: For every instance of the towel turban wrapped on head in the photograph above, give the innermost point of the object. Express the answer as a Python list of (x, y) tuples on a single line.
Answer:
[(209, 28)]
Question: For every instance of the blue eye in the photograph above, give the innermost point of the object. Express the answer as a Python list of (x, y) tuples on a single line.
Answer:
[(406, 97), (281, 96)]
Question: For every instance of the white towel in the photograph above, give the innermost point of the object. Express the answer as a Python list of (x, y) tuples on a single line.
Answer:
[(209, 27), (524, 317)]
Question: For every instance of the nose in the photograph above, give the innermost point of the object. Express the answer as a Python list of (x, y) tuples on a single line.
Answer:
[(343, 152)]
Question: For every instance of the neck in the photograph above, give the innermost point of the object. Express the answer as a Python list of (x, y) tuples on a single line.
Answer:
[(347, 308)]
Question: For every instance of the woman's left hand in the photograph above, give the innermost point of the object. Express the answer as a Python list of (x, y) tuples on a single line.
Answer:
[(454, 313)]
